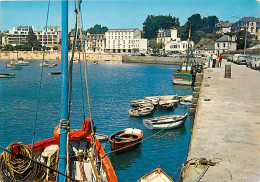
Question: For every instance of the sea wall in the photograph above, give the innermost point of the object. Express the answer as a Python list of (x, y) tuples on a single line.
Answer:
[(155, 60), (152, 60)]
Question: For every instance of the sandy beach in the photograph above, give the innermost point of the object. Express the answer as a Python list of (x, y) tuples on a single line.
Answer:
[(56, 56)]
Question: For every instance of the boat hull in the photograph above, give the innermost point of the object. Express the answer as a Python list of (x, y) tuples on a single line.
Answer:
[(155, 176), (168, 124), (182, 79), (125, 140)]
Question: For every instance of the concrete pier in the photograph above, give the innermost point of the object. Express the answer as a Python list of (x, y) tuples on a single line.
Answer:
[(227, 127)]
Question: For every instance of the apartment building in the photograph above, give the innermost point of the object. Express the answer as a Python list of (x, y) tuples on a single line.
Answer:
[(53, 36), (17, 36), (95, 42), (251, 24), (125, 40), (171, 42)]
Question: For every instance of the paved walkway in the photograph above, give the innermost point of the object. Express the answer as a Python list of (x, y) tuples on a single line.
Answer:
[(227, 128)]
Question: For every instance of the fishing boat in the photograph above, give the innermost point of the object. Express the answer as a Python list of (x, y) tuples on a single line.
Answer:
[(137, 103), (167, 104), (125, 140), (21, 62), (95, 62), (185, 75), (7, 75), (142, 110), (70, 155), (153, 99), (157, 175), (167, 122), (168, 97), (186, 100), (16, 67)]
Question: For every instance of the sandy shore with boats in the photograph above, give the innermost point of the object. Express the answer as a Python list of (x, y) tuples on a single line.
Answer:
[(56, 56)]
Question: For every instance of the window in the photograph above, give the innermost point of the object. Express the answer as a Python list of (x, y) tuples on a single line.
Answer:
[(218, 45), (224, 45)]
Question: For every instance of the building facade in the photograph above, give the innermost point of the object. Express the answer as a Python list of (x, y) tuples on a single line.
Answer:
[(125, 40), (95, 42), (206, 50), (225, 43), (223, 27), (53, 36), (17, 36), (251, 24), (171, 42)]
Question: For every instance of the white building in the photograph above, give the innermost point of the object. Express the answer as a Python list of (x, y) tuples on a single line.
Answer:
[(125, 40), (223, 27), (53, 36), (225, 43), (95, 42), (171, 42), (17, 36)]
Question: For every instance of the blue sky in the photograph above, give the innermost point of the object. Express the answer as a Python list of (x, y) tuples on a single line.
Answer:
[(121, 13)]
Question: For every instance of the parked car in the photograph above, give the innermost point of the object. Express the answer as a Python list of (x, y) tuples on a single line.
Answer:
[(255, 63), (229, 58), (242, 59), (234, 58)]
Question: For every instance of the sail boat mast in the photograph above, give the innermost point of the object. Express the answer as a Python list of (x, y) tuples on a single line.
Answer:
[(64, 90)]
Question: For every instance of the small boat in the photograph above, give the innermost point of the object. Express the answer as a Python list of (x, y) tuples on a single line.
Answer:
[(144, 110), (186, 100), (168, 122), (126, 139), (55, 73), (21, 62), (153, 99), (7, 75), (168, 97), (95, 62), (157, 175), (44, 64), (167, 104), (137, 103)]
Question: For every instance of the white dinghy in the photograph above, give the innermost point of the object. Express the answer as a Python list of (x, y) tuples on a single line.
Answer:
[(168, 122)]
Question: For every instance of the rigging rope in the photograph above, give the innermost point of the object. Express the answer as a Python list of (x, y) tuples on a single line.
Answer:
[(40, 86), (34, 161)]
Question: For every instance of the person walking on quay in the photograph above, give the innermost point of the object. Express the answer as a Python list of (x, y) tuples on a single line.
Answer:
[(214, 57), (220, 60), (209, 58)]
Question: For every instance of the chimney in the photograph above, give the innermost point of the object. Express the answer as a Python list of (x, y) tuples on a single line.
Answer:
[(233, 38)]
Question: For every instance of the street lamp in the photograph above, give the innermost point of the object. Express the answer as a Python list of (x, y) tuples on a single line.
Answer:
[(245, 32)]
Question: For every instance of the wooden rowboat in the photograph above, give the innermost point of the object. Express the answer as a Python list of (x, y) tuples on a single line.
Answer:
[(157, 175), (168, 122), (126, 139)]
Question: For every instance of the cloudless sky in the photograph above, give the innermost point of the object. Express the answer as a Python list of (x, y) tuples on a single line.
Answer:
[(121, 13)]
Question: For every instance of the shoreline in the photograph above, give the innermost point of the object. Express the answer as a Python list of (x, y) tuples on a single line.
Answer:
[(56, 56)]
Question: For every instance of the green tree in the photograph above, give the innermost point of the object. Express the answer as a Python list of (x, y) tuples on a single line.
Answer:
[(37, 45), (18, 47), (209, 24), (8, 47), (241, 39), (31, 36), (154, 45), (97, 29), (27, 47), (153, 23)]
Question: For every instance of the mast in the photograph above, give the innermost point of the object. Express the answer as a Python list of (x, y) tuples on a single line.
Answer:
[(64, 90), (187, 61)]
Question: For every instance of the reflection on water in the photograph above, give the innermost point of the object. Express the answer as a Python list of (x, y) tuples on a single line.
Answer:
[(123, 161), (112, 86)]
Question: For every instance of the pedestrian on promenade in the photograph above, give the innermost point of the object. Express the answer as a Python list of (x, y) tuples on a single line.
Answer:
[(209, 58), (214, 57), (220, 60)]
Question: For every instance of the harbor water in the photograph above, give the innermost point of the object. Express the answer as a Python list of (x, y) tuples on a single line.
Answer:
[(112, 85)]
